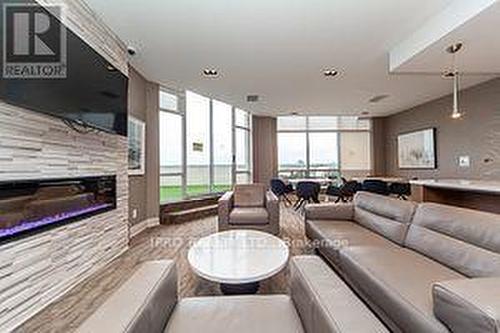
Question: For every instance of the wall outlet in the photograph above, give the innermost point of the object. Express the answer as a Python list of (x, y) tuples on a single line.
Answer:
[(134, 213), (464, 161)]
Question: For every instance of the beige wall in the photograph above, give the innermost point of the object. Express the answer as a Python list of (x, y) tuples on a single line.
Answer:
[(143, 196), (265, 149), (137, 109), (152, 151), (378, 144), (476, 135)]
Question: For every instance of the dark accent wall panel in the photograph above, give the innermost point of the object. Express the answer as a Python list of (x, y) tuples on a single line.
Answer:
[(476, 135), (265, 149)]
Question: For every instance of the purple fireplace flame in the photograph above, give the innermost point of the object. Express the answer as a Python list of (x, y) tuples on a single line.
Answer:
[(33, 206), (25, 226)]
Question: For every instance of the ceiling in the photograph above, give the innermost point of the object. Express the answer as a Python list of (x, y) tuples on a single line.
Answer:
[(476, 28), (278, 50)]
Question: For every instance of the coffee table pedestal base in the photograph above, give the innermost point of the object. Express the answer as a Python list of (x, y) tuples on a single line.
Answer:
[(240, 289)]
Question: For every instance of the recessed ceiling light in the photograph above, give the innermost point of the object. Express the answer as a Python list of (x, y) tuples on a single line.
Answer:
[(448, 74), (252, 98), (330, 72), (111, 68), (454, 48), (210, 72), (378, 98)]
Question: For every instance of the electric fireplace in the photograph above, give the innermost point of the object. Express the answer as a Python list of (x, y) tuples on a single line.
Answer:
[(28, 207)]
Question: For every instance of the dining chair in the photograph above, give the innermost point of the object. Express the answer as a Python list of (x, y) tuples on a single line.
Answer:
[(307, 192), (344, 192), (281, 189), (376, 186), (401, 190)]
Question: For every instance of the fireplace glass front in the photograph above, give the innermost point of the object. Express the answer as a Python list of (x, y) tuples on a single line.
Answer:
[(28, 207)]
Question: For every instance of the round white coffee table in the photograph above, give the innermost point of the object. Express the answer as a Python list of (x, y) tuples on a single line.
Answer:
[(238, 259)]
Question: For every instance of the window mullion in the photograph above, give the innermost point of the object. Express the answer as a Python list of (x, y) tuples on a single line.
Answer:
[(211, 146), (233, 139), (184, 147), (308, 150), (339, 153)]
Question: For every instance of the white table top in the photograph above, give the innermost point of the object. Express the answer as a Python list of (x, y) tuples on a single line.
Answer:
[(461, 184), (238, 256)]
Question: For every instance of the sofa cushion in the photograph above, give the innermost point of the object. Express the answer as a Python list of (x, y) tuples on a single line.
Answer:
[(463, 239), (249, 195), (235, 314), (468, 305), (325, 303), (386, 216), (249, 215), (335, 235), (399, 282)]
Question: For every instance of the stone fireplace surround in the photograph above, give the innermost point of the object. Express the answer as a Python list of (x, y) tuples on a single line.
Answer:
[(36, 270)]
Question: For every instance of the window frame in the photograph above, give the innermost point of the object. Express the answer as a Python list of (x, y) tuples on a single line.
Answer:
[(338, 131), (248, 131), (181, 97), (182, 111)]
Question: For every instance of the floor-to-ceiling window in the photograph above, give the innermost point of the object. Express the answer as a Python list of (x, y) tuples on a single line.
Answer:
[(322, 147), (204, 148), (222, 115), (242, 147), (198, 144), (171, 143)]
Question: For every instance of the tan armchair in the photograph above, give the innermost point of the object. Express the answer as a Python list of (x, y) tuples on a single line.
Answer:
[(249, 207)]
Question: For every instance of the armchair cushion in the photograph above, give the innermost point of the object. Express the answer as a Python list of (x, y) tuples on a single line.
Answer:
[(468, 305), (249, 215), (251, 195)]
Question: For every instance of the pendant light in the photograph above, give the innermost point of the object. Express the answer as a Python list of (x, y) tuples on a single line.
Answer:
[(453, 49), (455, 114)]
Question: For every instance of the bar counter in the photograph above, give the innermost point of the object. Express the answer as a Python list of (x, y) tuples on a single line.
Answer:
[(475, 194)]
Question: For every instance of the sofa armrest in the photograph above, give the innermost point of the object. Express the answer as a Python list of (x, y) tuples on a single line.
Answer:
[(143, 303), (325, 303), (273, 207), (329, 211), (224, 207), (468, 305)]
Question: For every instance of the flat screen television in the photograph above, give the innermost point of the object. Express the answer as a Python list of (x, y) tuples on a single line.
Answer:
[(92, 94)]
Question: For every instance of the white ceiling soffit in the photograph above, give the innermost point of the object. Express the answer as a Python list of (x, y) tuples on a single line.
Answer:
[(474, 23), (278, 50)]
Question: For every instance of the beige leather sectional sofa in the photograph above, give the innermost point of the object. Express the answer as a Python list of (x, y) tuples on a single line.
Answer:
[(320, 302), (420, 267)]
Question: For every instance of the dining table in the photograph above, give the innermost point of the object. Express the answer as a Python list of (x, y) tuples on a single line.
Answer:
[(322, 181)]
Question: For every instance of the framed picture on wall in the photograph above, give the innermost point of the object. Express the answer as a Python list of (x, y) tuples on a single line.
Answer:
[(417, 150), (136, 146)]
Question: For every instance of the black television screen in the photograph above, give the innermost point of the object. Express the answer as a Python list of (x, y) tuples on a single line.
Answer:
[(93, 93)]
